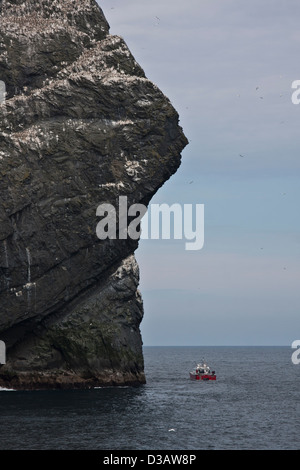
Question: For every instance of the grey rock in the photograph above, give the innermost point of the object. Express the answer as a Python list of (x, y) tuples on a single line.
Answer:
[(81, 126)]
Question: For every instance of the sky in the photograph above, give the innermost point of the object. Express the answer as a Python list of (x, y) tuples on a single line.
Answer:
[(227, 66)]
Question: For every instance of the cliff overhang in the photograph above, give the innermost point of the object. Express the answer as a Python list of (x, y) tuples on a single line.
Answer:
[(80, 126)]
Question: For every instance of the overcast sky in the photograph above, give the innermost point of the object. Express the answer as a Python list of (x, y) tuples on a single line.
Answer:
[(227, 66)]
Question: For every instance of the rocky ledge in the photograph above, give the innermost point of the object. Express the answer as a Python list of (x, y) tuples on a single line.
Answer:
[(81, 126)]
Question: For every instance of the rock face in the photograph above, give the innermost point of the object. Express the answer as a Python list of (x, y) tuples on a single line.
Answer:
[(81, 126)]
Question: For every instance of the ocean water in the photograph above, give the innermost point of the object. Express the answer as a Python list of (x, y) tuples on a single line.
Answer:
[(253, 405)]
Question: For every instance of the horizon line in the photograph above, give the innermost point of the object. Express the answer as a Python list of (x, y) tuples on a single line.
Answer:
[(215, 345)]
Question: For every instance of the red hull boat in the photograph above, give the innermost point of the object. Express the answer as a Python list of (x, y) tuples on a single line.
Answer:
[(202, 372)]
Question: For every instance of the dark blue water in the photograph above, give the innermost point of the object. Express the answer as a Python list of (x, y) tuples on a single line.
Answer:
[(254, 404)]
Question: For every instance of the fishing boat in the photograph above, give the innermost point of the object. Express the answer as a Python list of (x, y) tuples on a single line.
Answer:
[(202, 372)]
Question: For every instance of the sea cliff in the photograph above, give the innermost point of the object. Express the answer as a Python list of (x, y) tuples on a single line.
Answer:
[(80, 126)]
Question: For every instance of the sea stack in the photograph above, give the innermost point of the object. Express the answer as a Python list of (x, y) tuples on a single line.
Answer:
[(80, 126)]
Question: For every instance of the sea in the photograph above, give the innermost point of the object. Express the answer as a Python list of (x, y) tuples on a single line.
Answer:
[(253, 405)]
